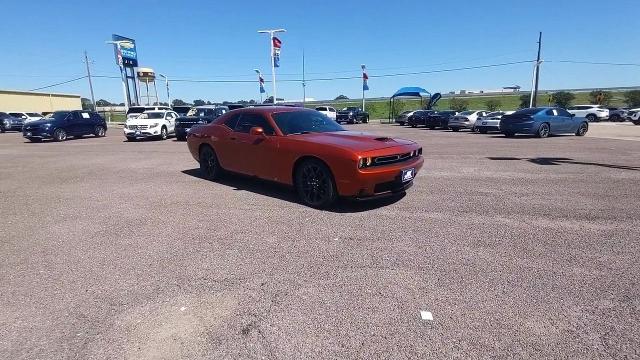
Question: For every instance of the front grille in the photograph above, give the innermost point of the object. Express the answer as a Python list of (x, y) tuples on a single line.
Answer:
[(138, 127), (390, 159)]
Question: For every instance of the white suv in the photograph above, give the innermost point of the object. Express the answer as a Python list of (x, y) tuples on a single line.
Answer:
[(327, 110), (153, 123), (589, 112)]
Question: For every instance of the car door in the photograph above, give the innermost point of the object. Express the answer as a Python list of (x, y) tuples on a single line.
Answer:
[(254, 149), (85, 123), (72, 125), (570, 121), (557, 123), (170, 118)]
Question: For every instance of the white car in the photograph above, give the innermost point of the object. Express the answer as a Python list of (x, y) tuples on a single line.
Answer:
[(589, 112), (491, 121), (327, 110), (634, 116), (27, 116), (151, 124), (466, 120), (134, 111)]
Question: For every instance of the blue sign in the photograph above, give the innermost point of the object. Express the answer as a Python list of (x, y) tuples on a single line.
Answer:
[(125, 51)]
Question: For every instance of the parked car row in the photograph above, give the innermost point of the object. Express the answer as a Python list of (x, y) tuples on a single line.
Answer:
[(539, 121)]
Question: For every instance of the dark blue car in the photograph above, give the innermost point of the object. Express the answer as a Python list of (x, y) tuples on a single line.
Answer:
[(542, 122), (10, 123), (62, 124)]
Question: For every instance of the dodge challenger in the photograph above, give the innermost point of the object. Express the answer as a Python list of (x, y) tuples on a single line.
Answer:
[(305, 149)]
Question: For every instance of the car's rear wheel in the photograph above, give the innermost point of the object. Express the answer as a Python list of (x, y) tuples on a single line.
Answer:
[(582, 129), (59, 135), (99, 131), (314, 184), (209, 165), (615, 118), (483, 131), (592, 118), (543, 130), (454, 129)]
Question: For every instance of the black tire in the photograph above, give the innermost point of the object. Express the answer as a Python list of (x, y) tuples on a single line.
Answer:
[(131, 139), (401, 123), (591, 118), (509, 134), (615, 118), (414, 125), (432, 127), (99, 131), (543, 131), (366, 120), (582, 129), (59, 135), (455, 129), (2, 130), (314, 184), (35, 140), (483, 131), (164, 134), (181, 138), (209, 165), (636, 122)]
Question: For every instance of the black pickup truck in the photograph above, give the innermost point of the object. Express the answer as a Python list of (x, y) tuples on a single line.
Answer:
[(352, 115), (197, 116)]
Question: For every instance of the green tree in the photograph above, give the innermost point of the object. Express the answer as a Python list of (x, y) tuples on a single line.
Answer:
[(458, 104), (562, 98), (524, 101), (492, 104), (103, 102), (178, 102), (86, 104), (600, 97), (199, 102), (342, 97), (632, 98)]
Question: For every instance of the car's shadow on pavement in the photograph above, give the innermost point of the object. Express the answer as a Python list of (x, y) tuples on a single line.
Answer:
[(561, 160), (285, 193)]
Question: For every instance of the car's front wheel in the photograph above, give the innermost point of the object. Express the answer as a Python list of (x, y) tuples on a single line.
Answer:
[(455, 129), (99, 131), (543, 130), (209, 165), (483, 131), (314, 184), (59, 135), (163, 133), (582, 129), (509, 134)]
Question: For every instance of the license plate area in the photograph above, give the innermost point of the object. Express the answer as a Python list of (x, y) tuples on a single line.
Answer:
[(408, 175)]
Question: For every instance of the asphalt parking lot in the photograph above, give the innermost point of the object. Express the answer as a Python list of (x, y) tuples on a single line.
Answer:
[(517, 247)]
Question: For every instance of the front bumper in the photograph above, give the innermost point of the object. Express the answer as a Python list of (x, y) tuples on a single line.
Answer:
[(37, 133), (142, 134), (12, 127), (379, 181)]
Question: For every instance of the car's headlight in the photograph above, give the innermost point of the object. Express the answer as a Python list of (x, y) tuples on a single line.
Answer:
[(153, 125), (365, 162), (7, 122)]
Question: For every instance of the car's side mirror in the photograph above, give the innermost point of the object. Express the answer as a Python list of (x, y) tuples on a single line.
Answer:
[(256, 131)]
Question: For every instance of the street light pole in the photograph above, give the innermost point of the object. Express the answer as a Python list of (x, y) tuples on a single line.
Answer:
[(363, 69), (273, 67), (166, 82)]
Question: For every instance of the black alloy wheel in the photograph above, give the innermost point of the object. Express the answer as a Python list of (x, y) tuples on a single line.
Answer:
[(591, 118), (59, 135), (99, 131), (543, 131), (209, 165), (163, 133), (314, 184), (582, 129)]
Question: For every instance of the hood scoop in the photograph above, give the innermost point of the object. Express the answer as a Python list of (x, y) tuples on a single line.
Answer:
[(383, 139)]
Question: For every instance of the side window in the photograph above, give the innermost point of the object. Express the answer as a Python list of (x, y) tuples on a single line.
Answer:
[(169, 116), (232, 121), (549, 112), (247, 121), (563, 112), (332, 109), (321, 108), (208, 112)]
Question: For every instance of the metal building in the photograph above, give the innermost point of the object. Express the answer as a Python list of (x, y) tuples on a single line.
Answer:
[(27, 101)]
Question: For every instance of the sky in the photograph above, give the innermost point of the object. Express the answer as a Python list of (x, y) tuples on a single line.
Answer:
[(44, 43)]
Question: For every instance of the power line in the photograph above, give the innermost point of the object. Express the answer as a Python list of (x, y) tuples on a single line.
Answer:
[(60, 83), (592, 62)]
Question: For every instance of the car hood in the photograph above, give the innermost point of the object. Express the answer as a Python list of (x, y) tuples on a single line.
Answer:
[(354, 140), (39, 122), (144, 121)]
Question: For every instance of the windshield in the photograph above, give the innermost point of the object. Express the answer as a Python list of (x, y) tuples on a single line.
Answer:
[(528, 111), (466, 113), (17, 115), (58, 115), (299, 122), (181, 109), (34, 115), (136, 110), (152, 115)]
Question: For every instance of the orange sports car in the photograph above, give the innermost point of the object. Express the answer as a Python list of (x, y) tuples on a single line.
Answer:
[(305, 149)]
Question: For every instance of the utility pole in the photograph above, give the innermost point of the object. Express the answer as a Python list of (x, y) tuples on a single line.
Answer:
[(534, 93), (166, 82), (304, 84), (86, 61), (273, 66)]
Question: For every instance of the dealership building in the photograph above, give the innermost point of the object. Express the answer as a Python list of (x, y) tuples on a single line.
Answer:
[(28, 101)]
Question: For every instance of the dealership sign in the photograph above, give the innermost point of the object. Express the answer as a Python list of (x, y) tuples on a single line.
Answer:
[(125, 51)]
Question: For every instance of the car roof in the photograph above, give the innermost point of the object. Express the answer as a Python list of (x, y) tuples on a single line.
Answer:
[(157, 111), (271, 109), (211, 107)]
